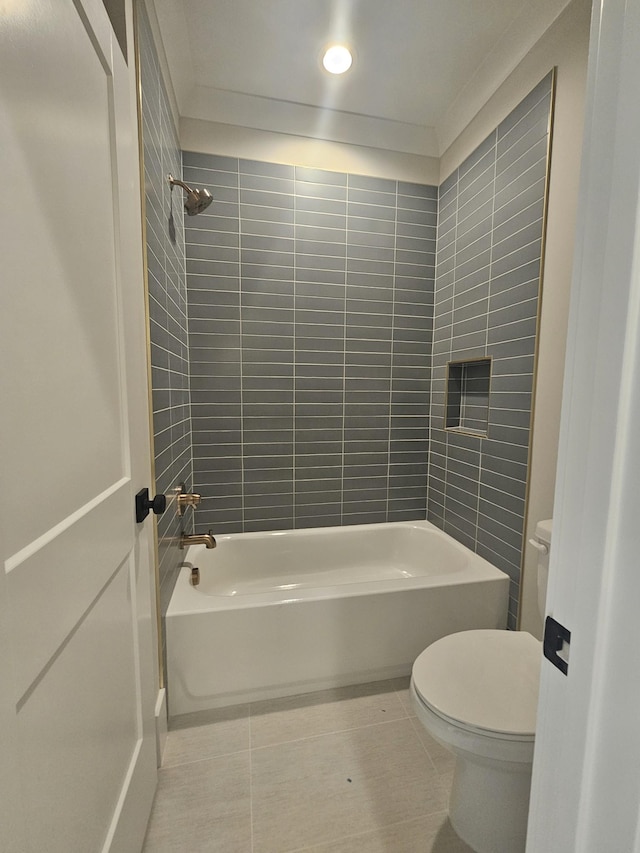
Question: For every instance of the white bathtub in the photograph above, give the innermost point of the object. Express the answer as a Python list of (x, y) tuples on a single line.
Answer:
[(289, 612)]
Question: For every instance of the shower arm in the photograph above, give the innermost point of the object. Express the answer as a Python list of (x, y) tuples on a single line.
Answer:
[(175, 182)]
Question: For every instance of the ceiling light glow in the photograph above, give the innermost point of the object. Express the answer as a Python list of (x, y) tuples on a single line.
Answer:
[(337, 59)]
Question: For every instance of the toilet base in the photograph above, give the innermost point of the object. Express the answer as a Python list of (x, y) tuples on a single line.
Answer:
[(489, 807)]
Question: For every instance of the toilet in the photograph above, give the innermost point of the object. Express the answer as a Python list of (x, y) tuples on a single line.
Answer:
[(476, 693)]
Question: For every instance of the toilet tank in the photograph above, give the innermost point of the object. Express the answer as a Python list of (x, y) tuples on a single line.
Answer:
[(542, 542)]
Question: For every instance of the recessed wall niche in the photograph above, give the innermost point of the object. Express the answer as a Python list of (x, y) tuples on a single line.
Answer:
[(467, 405)]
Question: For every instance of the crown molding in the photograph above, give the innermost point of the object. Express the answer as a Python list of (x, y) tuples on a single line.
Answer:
[(564, 45), (511, 48), (251, 144), (277, 116)]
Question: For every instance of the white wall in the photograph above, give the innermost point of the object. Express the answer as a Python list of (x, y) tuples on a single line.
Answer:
[(564, 45)]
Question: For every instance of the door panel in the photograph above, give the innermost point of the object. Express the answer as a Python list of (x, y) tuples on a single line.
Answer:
[(64, 334), (77, 625), (79, 727), (63, 573)]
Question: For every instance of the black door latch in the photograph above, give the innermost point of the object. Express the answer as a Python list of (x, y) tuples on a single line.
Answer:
[(556, 644)]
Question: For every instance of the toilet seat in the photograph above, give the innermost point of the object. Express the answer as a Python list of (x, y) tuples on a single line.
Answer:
[(484, 682)]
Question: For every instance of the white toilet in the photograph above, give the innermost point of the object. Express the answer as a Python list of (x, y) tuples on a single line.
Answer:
[(476, 693)]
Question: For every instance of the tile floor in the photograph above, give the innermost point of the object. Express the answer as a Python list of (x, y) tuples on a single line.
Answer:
[(340, 771)]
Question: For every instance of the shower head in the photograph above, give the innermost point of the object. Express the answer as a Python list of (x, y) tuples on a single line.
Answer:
[(196, 200)]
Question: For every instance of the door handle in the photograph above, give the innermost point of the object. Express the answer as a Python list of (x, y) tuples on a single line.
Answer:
[(144, 504)]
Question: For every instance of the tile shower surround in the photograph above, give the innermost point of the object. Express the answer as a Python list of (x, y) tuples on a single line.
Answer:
[(490, 221), (339, 435), (167, 302), (310, 298)]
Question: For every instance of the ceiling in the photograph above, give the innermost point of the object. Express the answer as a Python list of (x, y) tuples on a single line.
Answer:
[(257, 63)]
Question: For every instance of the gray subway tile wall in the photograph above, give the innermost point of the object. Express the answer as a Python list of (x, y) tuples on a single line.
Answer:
[(166, 276), (310, 302), (487, 281)]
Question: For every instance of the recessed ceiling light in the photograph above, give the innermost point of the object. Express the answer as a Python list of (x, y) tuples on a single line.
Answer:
[(337, 59)]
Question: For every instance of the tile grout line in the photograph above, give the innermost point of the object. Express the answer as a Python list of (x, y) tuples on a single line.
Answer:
[(275, 745), (486, 344), (214, 757), (242, 468), (450, 351), (393, 318), (414, 724), (294, 507), (356, 835), (190, 482), (250, 778), (344, 352), (401, 718), (431, 357)]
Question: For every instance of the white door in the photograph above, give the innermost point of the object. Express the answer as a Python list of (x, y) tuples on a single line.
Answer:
[(586, 776), (77, 660)]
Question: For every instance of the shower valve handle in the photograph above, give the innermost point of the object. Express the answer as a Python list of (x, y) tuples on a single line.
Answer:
[(186, 499)]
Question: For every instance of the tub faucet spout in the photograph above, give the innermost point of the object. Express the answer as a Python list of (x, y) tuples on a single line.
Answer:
[(206, 539)]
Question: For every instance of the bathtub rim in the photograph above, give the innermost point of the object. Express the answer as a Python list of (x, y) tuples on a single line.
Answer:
[(186, 599)]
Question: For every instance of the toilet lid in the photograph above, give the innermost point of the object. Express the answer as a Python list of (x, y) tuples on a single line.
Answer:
[(482, 679)]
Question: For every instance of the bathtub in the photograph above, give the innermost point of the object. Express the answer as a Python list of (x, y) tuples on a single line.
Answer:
[(281, 613)]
